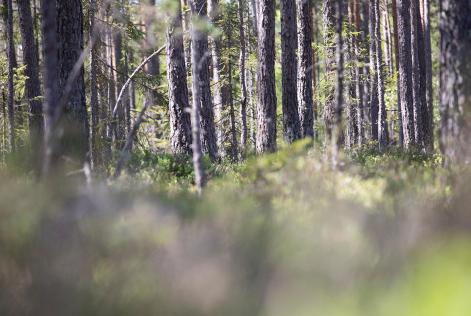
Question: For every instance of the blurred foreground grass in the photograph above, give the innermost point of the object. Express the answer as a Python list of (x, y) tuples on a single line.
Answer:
[(278, 235)]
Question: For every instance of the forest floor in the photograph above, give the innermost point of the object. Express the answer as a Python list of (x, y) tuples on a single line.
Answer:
[(284, 234)]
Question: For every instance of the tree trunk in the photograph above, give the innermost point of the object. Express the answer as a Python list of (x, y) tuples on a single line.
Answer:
[(382, 115), (243, 81), (266, 92), (374, 102), (339, 98), (291, 126), (428, 109), (305, 68), (396, 55), (51, 82), (94, 103), (416, 82), (405, 72), (329, 44), (32, 84), (11, 66), (455, 80), (201, 79), (179, 107), (221, 101), (358, 72)]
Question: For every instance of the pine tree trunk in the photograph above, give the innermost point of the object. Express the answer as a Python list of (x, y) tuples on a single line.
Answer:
[(329, 23), (32, 84), (201, 79), (291, 126), (74, 121), (179, 107), (428, 109), (396, 54), (455, 80), (94, 103), (221, 101), (339, 98), (405, 72), (382, 115), (416, 80), (266, 92), (243, 81), (358, 72), (305, 68), (51, 82), (374, 101), (10, 81)]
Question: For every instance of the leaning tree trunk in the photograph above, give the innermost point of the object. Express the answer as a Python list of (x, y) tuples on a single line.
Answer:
[(405, 72), (305, 68), (200, 58), (32, 84), (51, 82), (74, 121), (382, 115), (266, 92), (455, 80), (11, 66), (180, 124), (291, 126)]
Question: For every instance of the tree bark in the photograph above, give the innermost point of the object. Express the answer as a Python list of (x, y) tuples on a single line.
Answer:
[(339, 98), (329, 44), (243, 79), (305, 68), (94, 103), (74, 121), (428, 109), (455, 80), (32, 84), (201, 79), (405, 72), (396, 55), (291, 126), (374, 101), (12, 64), (266, 92), (179, 107)]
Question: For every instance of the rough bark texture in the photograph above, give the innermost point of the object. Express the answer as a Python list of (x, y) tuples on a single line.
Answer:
[(339, 98), (266, 92), (51, 81), (220, 98), (74, 121), (374, 102), (32, 84), (179, 107), (396, 55), (428, 110), (305, 68), (455, 80), (382, 116), (200, 58), (417, 88), (291, 126), (405, 72), (243, 79), (11, 66), (94, 104)]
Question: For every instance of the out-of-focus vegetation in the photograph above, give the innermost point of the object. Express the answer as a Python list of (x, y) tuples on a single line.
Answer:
[(282, 234)]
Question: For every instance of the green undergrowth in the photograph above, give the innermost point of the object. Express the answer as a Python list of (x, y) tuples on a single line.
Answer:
[(382, 234)]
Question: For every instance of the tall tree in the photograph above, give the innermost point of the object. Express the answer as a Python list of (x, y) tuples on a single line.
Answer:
[(291, 126), (201, 79), (305, 67), (94, 103), (329, 22), (266, 92), (243, 75), (455, 79), (405, 72), (74, 121), (428, 109), (11, 66), (382, 115), (339, 98), (220, 99), (32, 84), (396, 57), (374, 102), (51, 82), (180, 124)]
